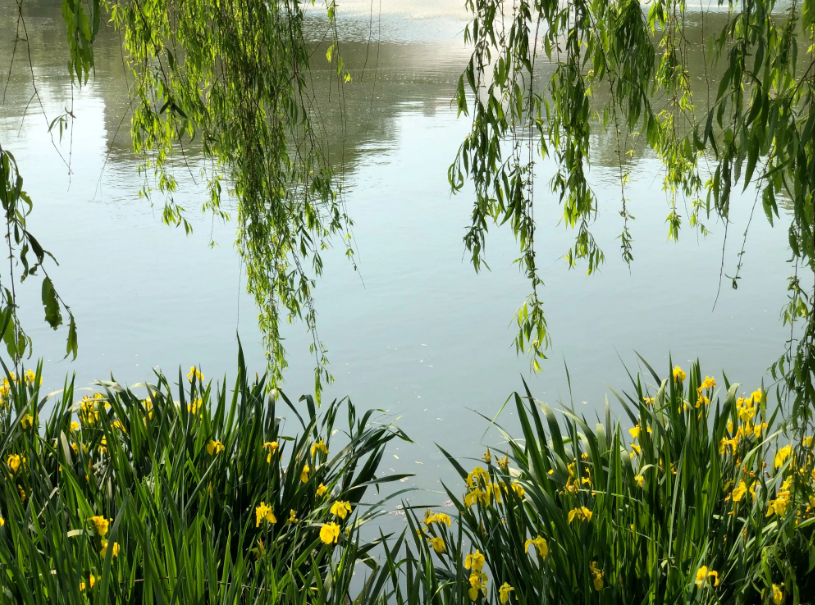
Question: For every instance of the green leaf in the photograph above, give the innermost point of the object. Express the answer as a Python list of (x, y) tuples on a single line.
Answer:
[(50, 304), (72, 344)]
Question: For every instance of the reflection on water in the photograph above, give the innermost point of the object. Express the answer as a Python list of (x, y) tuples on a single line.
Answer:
[(416, 332)]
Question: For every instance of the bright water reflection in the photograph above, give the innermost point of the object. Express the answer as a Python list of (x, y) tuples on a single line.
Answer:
[(416, 333)]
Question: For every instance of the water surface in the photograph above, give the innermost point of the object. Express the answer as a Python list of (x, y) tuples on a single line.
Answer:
[(416, 332)]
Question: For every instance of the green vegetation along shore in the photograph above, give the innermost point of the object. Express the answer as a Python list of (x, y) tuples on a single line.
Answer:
[(194, 495)]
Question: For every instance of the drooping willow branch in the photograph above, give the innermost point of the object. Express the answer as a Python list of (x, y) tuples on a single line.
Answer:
[(17, 205), (231, 77), (761, 116)]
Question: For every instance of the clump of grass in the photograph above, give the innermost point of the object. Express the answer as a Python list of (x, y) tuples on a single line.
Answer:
[(192, 497), (698, 502)]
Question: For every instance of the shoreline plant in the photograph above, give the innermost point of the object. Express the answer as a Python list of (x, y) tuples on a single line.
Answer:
[(703, 500), (194, 494), (183, 495)]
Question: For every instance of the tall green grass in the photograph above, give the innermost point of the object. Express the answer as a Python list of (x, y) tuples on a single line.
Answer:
[(699, 502), (154, 498), (195, 493)]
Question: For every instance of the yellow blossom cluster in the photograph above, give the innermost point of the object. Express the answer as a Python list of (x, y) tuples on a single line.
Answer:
[(596, 576), (779, 505), (91, 582), (148, 406), (573, 483), (114, 549), (478, 579), (271, 447), (195, 407), (5, 386), (89, 408), (781, 457), (749, 424), (196, 374), (28, 378), (704, 391), (100, 524), (581, 514), (320, 446), (503, 463), (481, 489), (441, 518), (703, 577), (436, 542)]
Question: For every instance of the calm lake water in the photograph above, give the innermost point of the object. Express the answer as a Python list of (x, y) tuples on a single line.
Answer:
[(416, 332)]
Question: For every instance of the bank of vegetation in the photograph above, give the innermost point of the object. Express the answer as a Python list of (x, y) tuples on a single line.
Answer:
[(193, 493)]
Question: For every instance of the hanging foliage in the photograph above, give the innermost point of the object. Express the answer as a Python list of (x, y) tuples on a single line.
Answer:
[(754, 128), (230, 76), (81, 27), (21, 245)]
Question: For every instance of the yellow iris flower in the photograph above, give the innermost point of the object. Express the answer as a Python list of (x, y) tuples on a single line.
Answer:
[(703, 575), (341, 509), (540, 544), (581, 514), (272, 446), (195, 373), (739, 491), (437, 544), (100, 524), (114, 549), (596, 576), (215, 447), (264, 513), (329, 533), (437, 518), (319, 446), (478, 581), (474, 561), (14, 462), (503, 592), (782, 456)]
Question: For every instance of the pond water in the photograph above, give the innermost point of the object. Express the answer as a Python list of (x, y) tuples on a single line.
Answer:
[(416, 332)]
